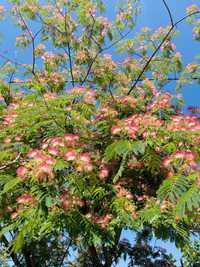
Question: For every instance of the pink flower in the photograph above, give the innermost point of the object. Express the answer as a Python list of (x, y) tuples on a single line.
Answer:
[(179, 155), (44, 171), (22, 171), (14, 215), (103, 173), (71, 137), (166, 162), (85, 157), (170, 174), (25, 198), (7, 140), (115, 129), (18, 137), (53, 151), (57, 141), (70, 155), (49, 160), (33, 153), (88, 167)]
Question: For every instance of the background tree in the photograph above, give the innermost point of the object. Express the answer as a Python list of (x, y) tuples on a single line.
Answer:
[(91, 146)]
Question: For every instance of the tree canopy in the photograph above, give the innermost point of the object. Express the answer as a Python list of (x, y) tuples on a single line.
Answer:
[(92, 143)]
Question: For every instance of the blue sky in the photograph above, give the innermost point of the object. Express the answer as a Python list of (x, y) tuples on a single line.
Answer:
[(153, 15)]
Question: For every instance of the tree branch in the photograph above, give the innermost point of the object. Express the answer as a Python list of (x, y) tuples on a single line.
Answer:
[(157, 49), (113, 250), (169, 12), (66, 251), (11, 162), (32, 40), (12, 254), (94, 256), (69, 53)]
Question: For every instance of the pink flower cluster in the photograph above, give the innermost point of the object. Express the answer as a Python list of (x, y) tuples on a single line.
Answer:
[(68, 200), (186, 156), (162, 101), (23, 201), (67, 147), (184, 123), (11, 114), (122, 192), (136, 122), (103, 220)]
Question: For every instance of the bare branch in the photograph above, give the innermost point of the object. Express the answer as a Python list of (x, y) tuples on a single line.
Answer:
[(69, 53), (65, 254), (10, 60), (90, 66), (12, 254), (158, 48), (169, 12), (99, 52), (11, 162), (32, 41)]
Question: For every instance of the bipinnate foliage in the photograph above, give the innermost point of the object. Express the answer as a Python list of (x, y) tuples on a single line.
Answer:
[(91, 145)]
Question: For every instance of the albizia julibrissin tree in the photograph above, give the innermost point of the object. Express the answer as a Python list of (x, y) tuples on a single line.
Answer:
[(91, 145)]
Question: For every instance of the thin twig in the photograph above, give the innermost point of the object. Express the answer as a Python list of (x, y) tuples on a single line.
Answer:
[(158, 48), (32, 41), (99, 52), (90, 66), (66, 251), (12, 61), (11, 162), (169, 12), (48, 109), (69, 52)]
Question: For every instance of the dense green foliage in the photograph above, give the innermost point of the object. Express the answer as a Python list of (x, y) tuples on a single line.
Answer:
[(91, 146)]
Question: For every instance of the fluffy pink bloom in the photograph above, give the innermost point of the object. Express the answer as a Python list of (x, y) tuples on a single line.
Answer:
[(25, 198), (179, 155), (104, 172), (115, 129), (57, 141), (14, 215), (166, 162), (49, 160), (18, 137), (53, 151), (77, 90), (70, 155), (22, 171), (7, 140), (103, 221), (71, 137), (88, 167), (189, 155), (33, 153), (85, 157), (44, 171)]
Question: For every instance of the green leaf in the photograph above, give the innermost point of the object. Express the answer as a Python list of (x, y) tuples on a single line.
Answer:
[(49, 202), (188, 201), (173, 187), (122, 147), (138, 147), (121, 168), (18, 242), (118, 148), (10, 185)]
